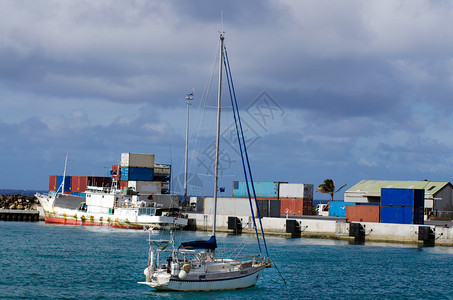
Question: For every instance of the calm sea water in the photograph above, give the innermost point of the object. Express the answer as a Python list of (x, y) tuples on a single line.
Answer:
[(75, 262)]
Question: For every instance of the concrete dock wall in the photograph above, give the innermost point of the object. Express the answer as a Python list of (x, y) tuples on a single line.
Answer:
[(379, 232)]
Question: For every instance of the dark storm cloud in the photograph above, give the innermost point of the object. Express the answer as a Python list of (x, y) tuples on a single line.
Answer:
[(364, 86)]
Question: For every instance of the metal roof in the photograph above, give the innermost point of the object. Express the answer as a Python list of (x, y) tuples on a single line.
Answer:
[(375, 186)]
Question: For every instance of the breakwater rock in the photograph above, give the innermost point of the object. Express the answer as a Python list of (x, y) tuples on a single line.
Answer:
[(18, 202)]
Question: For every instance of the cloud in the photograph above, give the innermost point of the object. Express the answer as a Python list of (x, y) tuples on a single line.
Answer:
[(365, 88)]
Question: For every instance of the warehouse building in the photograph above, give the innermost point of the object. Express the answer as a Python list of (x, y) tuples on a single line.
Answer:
[(438, 194)]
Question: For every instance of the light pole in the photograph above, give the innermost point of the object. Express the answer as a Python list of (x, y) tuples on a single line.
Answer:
[(189, 97)]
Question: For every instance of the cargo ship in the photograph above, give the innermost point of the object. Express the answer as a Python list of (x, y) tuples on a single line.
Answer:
[(130, 198)]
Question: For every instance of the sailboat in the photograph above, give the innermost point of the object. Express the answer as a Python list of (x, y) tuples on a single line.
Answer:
[(195, 265)]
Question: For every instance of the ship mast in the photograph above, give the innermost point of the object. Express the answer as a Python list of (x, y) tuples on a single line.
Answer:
[(64, 173), (217, 141), (189, 97)]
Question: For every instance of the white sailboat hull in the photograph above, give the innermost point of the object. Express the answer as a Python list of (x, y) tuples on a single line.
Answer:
[(212, 282)]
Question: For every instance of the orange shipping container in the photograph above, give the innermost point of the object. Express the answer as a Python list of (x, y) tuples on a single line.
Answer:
[(362, 213), (296, 207)]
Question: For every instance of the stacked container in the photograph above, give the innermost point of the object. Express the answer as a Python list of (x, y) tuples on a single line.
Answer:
[(338, 208), (363, 212), (263, 189), (67, 183), (79, 184), (137, 172), (296, 198), (402, 206)]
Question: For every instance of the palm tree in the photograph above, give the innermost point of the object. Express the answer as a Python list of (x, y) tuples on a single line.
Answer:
[(328, 187)]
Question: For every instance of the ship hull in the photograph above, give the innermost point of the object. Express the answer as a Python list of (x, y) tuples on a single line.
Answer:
[(127, 218), (212, 282)]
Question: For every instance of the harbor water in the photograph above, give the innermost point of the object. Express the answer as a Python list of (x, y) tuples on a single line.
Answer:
[(56, 261)]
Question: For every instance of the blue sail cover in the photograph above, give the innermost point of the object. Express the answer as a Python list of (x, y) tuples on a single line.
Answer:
[(210, 244)]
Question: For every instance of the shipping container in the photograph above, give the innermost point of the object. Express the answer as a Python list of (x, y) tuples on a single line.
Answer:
[(79, 184), (137, 160), (338, 208), (146, 187), (52, 183), (403, 197), (229, 206), (401, 215), (99, 181), (296, 207), (67, 183), (263, 189), (274, 208), (295, 190), (137, 174), (363, 213)]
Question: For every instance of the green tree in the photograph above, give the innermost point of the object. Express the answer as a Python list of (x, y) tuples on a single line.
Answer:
[(328, 187)]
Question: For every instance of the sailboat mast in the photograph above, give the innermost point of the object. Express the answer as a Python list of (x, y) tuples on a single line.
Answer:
[(64, 172), (217, 140)]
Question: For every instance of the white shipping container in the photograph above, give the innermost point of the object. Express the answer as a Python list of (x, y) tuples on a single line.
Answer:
[(295, 191), (137, 160), (229, 206), (146, 187)]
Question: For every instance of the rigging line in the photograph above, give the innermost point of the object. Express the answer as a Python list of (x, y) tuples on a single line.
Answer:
[(200, 115), (235, 112), (240, 241), (247, 158), (281, 275)]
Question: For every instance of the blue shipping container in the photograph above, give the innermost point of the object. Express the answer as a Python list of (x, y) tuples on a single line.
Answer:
[(403, 197), (338, 208), (136, 174), (67, 183), (263, 189), (401, 215)]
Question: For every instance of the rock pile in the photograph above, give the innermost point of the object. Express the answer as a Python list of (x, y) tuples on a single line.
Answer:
[(18, 202)]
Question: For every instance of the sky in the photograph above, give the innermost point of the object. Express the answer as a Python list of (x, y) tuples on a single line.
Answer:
[(347, 90)]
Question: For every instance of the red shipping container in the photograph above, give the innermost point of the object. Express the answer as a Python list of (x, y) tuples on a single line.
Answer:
[(362, 213), (296, 207), (79, 184), (52, 183)]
